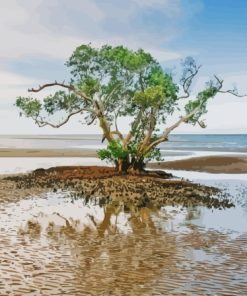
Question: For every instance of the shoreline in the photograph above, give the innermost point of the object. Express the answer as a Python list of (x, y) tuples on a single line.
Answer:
[(218, 164), (208, 164)]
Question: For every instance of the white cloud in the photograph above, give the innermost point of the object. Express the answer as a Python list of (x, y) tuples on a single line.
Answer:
[(12, 79), (55, 28), (163, 55), (226, 118)]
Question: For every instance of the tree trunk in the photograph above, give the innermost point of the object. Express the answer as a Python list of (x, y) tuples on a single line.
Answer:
[(124, 166), (137, 166)]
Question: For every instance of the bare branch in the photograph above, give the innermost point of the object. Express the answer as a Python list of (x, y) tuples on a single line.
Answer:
[(150, 128), (117, 132), (233, 92), (92, 120), (134, 127), (69, 87), (219, 81), (168, 130), (187, 83), (41, 122)]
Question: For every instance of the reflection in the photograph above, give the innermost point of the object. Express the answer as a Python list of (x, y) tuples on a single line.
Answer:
[(115, 247), (97, 246), (108, 217), (32, 228)]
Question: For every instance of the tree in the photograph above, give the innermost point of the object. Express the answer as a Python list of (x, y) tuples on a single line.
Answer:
[(113, 82)]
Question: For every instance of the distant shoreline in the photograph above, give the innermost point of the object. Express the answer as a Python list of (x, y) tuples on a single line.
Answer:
[(10, 152)]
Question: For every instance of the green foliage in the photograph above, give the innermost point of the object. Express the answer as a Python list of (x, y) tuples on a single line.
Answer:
[(154, 154), (30, 107), (61, 101), (151, 97), (113, 152), (201, 103), (123, 78)]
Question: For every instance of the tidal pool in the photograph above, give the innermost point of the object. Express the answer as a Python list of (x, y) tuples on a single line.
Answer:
[(55, 244)]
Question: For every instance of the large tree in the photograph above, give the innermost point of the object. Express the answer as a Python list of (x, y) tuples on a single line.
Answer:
[(113, 82)]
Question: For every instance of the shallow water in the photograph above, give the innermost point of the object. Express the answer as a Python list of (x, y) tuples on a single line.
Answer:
[(53, 244)]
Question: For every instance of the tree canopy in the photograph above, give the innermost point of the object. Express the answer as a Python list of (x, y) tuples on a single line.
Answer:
[(112, 82)]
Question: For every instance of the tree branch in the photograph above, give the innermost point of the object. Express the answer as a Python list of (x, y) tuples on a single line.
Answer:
[(92, 120), (187, 83), (168, 130), (42, 123), (134, 127), (111, 93), (69, 87), (150, 129), (117, 132), (233, 92)]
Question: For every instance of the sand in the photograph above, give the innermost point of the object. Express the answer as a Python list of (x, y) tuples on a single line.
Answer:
[(12, 152), (209, 164)]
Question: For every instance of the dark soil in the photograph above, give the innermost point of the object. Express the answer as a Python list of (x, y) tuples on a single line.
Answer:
[(148, 189)]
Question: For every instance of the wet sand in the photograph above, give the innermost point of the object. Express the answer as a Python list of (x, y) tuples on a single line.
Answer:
[(11, 152), (55, 245), (209, 164)]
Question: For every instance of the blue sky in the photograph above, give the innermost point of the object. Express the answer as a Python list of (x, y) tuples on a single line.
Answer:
[(38, 36)]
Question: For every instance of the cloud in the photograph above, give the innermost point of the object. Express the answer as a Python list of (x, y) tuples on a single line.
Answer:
[(54, 28), (11, 79)]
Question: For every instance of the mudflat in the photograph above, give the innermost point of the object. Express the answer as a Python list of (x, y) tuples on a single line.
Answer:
[(209, 164), (151, 188)]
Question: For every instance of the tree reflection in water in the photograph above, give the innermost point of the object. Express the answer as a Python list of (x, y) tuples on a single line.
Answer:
[(118, 248)]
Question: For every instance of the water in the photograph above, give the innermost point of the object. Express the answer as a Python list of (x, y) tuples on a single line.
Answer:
[(52, 244), (220, 143), (224, 143)]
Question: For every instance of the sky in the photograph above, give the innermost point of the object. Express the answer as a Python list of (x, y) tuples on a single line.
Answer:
[(37, 37)]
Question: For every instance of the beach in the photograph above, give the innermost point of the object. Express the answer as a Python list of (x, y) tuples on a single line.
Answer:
[(47, 152), (211, 164), (67, 216), (228, 163)]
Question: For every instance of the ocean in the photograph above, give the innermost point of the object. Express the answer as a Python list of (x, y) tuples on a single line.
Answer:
[(186, 142)]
